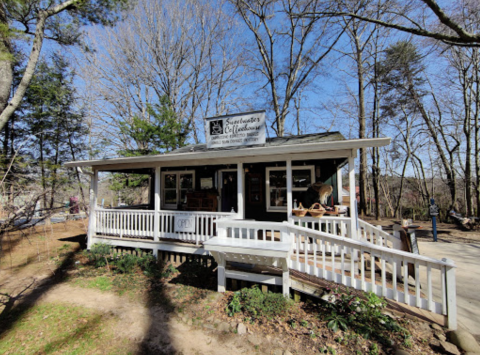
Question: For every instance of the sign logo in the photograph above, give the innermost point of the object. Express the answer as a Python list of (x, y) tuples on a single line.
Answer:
[(216, 127), (236, 130)]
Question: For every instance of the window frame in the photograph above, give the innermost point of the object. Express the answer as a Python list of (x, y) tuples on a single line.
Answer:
[(178, 188), (271, 208)]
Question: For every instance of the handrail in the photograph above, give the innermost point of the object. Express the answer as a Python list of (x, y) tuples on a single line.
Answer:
[(363, 265), (373, 234), (378, 248)]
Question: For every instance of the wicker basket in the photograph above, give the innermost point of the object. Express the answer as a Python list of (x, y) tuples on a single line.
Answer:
[(300, 211), (316, 210)]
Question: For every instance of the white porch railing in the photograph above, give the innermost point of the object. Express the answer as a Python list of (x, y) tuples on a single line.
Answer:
[(141, 224), (205, 226), (387, 272), (341, 226), (125, 223), (375, 235)]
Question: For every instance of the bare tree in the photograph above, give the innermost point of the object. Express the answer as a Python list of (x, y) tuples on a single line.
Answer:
[(289, 49), (183, 50), (424, 18)]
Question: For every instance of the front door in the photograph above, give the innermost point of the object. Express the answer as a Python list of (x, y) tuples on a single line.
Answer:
[(228, 183)]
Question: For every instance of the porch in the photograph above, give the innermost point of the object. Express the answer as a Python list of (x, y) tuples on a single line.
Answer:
[(236, 204)]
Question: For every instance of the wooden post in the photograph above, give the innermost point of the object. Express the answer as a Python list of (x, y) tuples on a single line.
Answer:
[(285, 278), (92, 223), (339, 187), (240, 207), (222, 280), (451, 294), (156, 216), (289, 191), (297, 297), (353, 196)]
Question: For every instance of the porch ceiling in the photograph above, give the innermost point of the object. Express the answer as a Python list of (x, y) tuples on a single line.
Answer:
[(195, 156)]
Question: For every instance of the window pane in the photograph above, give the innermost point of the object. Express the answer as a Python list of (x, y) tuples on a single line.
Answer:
[(171, 197), (278, 197), (278, 178), (186, 181), (170, 181), (302, 178)]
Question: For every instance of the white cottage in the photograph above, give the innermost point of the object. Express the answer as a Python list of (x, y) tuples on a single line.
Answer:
[(233, 198)]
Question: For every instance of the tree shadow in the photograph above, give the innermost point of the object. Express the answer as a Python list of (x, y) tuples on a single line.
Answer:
[(24, 302), (193, 274), (81, 239)]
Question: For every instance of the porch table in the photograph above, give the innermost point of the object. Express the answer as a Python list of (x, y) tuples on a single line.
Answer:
[(271, 249), (249, 251)]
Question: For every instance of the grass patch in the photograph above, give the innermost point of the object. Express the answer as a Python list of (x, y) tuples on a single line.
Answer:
[(102, 283), (56, 328)]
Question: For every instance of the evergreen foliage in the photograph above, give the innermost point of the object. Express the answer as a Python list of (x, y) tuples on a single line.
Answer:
[(161, 131), (401, 78)]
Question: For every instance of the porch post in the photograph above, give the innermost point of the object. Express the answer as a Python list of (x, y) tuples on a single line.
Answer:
[(240, 211), (339, 187), (289, 191), (92, 222), (156, 216), (353, 195)]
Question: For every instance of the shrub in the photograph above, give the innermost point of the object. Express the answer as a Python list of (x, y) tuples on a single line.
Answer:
[(126, 263), (364, 317), (256, 303), (98, 254), (101, 254)]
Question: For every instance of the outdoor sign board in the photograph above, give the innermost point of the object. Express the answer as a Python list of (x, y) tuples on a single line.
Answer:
[(185, 223), (236, 130)]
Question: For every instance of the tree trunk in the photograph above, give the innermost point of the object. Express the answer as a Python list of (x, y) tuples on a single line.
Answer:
[(6, 61), (42, 168), (362, 177), (477, 132), (375, 152)]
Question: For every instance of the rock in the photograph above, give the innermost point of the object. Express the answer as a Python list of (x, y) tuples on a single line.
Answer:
[(208, 326), (401, 352), (190, 322), (328, 297), (286, 352), (210, 319), (449, 348), (278, 352), (436, 326), (241, 329), (470, 353), (464, 340), (233, 325), (255, 340), (223, 327), (423, 330), (441, 337)]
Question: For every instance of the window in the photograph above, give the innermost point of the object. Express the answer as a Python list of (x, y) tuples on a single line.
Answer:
[(302, 178), (176, 184)]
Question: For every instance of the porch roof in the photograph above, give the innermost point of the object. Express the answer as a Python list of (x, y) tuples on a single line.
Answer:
[(280, 146)]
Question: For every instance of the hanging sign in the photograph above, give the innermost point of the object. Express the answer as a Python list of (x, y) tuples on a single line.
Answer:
[(185, 223), (236, 130)]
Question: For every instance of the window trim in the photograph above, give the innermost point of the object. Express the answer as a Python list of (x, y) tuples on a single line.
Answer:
[(178, 188), (284, 168)]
